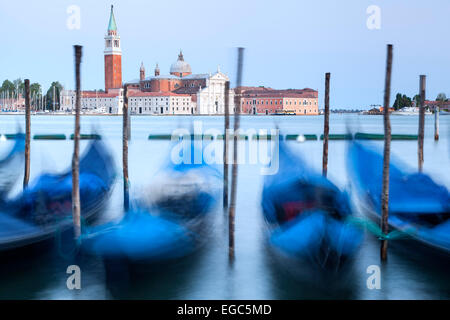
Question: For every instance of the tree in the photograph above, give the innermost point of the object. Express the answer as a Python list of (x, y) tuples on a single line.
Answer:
[(35, 88), (416, 100), (441, 97), (19, 86), (58, 88), (7, 86), (401, 101)]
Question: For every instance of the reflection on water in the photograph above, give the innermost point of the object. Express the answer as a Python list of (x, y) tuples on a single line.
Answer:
[(40, 272)]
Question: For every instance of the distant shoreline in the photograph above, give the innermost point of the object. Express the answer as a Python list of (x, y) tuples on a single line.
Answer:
[(169, 115)]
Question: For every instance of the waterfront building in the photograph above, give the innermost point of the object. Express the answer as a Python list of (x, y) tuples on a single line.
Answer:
[(206, 91), (444, 105), (262, 100), (180, 91), (169, 103), (93, 101)]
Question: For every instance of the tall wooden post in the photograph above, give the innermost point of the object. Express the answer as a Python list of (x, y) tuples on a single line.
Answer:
[(387, 154), (76, 150), (421, 121), (326, 125), (26, 176), (226, 145), (436, 121), (234, 173), (125, 132)]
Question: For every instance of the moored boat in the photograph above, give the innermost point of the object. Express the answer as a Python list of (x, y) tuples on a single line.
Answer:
[(169, 221), (11, 165), (307, 217), (418, 206), (44, 208)]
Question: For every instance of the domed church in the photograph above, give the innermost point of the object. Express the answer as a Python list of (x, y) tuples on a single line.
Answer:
[(207, 90), (180, 68)]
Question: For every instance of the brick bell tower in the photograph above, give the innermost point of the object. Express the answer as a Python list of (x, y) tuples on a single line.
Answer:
[(113, 56)]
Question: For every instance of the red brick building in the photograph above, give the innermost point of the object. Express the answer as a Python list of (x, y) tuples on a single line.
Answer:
[(444, 105), (180, 77), (261, 100)]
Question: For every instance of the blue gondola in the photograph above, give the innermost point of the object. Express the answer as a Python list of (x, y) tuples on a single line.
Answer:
[(45, 206), (11, 165), (418, 206), (307, 216), (170, 221)]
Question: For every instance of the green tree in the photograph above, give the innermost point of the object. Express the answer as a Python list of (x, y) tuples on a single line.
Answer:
[(416, 99), (7, 86), (401, 101), (441, 97), (58, 88), (35, 88), (19, 86)]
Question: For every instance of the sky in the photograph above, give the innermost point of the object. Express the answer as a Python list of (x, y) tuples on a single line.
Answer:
[(288, 43)]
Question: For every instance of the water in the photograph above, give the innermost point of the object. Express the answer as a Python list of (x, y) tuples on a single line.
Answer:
[(40, 273)]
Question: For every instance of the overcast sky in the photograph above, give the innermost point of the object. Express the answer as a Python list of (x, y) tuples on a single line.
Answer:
[(289, 43)]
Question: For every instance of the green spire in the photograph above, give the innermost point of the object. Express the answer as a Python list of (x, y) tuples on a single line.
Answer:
[(112, 22)]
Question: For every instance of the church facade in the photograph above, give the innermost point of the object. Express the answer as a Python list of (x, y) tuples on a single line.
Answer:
[(206, 90)]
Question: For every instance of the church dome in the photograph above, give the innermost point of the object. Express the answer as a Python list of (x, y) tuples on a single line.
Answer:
[(180, 67)]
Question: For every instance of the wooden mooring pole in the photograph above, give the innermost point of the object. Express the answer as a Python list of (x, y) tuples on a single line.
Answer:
[(421, 121), (26, 176), (436, 122), (386, 156), (76, 150), (125, 132), (234, 173), (326, 125), (226, 145)]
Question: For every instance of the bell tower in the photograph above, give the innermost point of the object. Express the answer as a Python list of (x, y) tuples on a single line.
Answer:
[(142, 72), (113, 56)]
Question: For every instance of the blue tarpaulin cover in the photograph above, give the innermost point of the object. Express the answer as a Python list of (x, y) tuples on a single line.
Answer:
[(417, 204)]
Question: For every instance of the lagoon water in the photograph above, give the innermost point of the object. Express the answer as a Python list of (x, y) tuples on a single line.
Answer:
[(40, 273)]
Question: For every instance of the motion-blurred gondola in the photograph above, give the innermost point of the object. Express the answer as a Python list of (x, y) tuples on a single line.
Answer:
[(45, 206), (418, 206), (171, 220), (307, 218), (11, 165)]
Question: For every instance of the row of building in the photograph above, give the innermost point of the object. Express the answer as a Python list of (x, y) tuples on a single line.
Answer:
[(181, 91)]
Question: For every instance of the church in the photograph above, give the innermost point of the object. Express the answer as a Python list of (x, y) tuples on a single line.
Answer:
[(180, 91), (206, 91)]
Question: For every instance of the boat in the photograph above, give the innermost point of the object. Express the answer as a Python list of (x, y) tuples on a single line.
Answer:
[(11, 165), (44, 208), (419, 208), (307, 217), (284, 113), (171, 220), (409, 111)]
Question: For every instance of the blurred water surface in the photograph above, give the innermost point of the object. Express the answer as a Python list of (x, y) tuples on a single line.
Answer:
[(40, 272)]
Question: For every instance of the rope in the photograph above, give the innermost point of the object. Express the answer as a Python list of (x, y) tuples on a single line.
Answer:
[(375, 229)]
